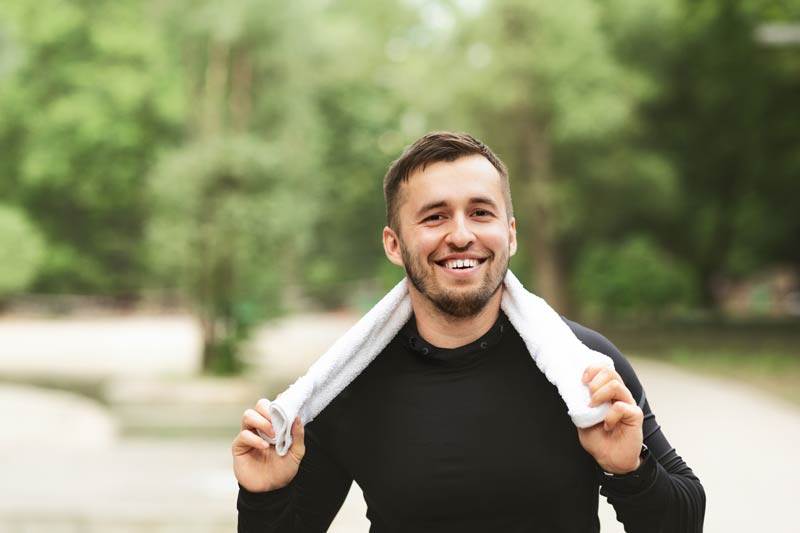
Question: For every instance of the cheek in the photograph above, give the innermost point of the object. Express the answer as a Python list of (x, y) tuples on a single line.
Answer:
[(497, 238), (424, 243)]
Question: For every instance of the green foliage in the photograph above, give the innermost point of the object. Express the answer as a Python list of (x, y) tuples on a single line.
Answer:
[(236, 149), (222, 225), (89, 101), (633, 280), (362, 120), (347, 230), (547, 86), (21, 250), (727, 120)]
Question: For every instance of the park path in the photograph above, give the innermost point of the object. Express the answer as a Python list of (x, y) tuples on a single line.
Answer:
[(63, 477)]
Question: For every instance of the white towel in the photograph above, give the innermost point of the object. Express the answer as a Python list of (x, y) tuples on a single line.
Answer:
[(558, 353)]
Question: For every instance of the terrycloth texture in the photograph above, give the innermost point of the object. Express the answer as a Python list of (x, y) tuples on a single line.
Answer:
[(560, 356), (558, 353)]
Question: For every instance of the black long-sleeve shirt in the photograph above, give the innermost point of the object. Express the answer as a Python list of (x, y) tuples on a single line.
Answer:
[(471, 439)]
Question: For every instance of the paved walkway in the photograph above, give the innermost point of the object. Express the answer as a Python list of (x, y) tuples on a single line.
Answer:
[(65, 468), (89, 348), (741, 443)]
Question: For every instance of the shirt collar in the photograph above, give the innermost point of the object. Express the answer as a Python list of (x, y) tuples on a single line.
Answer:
[(410, 337)]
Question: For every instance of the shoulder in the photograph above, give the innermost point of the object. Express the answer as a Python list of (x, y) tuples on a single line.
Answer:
[(599, 343), (593, 339)]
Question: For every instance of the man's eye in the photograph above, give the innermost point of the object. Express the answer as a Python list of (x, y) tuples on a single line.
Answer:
[(433, 218), (482, 213)]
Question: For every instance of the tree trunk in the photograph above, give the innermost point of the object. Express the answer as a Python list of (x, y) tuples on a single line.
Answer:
[(211, 123), (208, 327), (241, 94), (541, 233), (216, 82)]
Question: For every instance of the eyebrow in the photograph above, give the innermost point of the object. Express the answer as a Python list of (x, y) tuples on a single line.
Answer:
[(442, 203)]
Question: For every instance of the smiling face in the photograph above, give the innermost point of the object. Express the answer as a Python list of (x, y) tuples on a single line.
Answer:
[(454, 236)]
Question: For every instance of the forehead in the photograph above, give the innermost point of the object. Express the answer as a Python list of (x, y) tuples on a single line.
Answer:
[(452, 182)]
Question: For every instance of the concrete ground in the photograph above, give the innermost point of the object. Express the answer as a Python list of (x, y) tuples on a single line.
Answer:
[(99, 347), (68, 465)]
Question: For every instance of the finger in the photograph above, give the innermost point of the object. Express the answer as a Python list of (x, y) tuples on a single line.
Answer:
[(298, 438), (624, 413), (603, 376), (247, 440), (254, 420), (590, 372), (613, 390), (262, 407), (298, 432), (251, 419)]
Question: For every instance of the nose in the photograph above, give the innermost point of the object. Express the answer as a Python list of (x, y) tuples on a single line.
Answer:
[(460, 236)]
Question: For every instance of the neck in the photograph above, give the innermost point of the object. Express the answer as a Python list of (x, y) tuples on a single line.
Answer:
[(447, 331)]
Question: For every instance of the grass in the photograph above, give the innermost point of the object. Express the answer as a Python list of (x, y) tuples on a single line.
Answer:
[(765, 355), (777, 374)]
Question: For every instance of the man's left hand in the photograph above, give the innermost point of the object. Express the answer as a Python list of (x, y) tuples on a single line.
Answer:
[(616, 442)]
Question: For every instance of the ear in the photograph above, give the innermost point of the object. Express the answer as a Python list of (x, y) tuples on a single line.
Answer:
[(512, 236), (391, 245)]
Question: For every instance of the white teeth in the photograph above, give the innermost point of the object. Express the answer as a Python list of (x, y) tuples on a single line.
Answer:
[(461, 263)]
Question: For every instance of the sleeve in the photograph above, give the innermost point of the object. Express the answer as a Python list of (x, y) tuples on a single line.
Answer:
[(663, 494), (308, 504)]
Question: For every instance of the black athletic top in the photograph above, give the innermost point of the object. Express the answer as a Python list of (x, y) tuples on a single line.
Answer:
[(471, 439)]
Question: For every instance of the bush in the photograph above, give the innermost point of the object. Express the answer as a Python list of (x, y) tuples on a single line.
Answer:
[(22, 250), (635, 279)]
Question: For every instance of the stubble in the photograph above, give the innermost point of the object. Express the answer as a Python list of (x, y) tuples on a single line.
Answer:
[(455, 303)]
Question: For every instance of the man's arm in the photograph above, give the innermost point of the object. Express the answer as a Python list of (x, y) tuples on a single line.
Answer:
[(308, 503), (663, 494)]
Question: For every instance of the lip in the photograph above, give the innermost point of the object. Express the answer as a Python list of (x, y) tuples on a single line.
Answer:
[(481, 258)]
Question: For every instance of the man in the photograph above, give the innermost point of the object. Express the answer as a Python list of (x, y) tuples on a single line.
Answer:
[(452, 427)]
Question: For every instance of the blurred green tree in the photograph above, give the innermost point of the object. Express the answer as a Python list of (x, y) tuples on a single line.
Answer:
[(235, 204), (265, 127), (222, 219), (547, 84), (21, 251), (633, 280), (727, 120), (362, 117), (87, 99)]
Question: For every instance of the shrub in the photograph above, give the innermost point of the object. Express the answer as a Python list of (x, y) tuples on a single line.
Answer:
[(635, 279), (21, 249)]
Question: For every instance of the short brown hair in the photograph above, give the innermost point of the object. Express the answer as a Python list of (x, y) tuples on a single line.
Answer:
[(432, 148)]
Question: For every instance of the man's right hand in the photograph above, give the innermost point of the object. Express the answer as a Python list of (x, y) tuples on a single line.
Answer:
[(256, 464)]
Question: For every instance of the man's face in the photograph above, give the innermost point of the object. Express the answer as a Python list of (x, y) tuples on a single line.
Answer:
[(455, 239)]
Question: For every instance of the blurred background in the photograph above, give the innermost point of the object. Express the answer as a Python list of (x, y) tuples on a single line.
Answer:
[(191, 209)]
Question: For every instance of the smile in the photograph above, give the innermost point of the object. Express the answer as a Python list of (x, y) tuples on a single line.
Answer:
[(462, 265)]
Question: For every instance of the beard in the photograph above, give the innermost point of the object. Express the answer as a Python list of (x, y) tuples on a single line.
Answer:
[(456, 303)]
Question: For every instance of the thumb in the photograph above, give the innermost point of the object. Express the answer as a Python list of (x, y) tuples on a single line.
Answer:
[(298, 438)]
